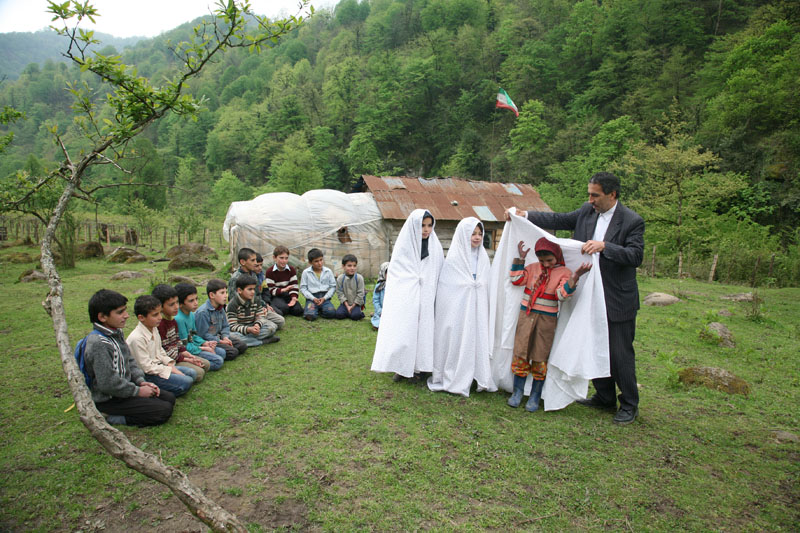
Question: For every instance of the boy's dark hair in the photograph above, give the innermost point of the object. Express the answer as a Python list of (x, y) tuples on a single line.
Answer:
[(104, 301), (164, 292), (184, 290), (259, 258), (607, 181), (245, 254), (280, 250), (349, 258), (214, 285), (314, 253), (145, 304), (244, 280)]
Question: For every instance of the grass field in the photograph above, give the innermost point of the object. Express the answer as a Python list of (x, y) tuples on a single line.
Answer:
[(300, 435)]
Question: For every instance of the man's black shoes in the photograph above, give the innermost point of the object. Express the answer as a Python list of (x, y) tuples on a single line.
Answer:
[(626, 415), (596, 403)]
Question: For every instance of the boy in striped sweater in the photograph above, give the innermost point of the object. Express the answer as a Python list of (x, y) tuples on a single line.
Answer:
[(281, 284), (546, 283)]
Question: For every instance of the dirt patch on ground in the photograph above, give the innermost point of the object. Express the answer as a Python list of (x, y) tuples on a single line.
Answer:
[(256, 496)]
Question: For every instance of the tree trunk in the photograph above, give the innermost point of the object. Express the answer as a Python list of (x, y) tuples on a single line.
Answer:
[(680, 264), (113, 440), (653, 264), (713, 268)]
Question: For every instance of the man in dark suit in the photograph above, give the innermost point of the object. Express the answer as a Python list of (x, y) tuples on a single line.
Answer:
[(617, 233)]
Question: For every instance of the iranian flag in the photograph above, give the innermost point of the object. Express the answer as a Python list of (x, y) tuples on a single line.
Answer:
[(504, 101)]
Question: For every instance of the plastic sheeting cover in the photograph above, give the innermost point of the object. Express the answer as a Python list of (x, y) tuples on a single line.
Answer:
[(314, 220)]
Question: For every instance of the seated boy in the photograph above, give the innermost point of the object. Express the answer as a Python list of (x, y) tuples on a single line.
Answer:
[(246, 315), (281, 284), (546, 283), (350, 290), (212, 321), (248, 264), (145, 344), (187, 328), (118, 387), (168, 330), (317, 284)]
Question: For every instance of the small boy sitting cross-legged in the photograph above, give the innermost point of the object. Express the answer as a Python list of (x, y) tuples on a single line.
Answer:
[(246, 315)]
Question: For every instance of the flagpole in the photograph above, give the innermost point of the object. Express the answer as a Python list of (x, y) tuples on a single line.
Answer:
[(492, 154)]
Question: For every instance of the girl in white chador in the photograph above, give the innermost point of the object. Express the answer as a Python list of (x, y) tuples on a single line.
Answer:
[(461, 340), (405, 337)]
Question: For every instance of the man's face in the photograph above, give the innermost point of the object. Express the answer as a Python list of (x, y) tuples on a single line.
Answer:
[(219, 297), (116, 319), (601, 201), (170, 307), (152, 319), (190, 303), (282, 260), (249, 264), (350, 268), (247, 293), (427, 227)]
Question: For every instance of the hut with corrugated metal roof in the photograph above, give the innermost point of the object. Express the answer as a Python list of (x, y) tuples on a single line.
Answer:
[(450, 200), (366, 222)]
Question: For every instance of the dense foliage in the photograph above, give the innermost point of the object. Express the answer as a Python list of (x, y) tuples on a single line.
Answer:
[(694, 103)]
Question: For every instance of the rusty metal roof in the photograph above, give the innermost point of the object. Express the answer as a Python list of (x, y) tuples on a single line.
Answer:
[(450, 198)]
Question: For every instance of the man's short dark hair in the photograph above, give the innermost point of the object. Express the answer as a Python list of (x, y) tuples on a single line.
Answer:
[(607, 181), (314, 253), (164, 292), (245, 254), (245, 280), (280, 249), (214, 285), (145, 304), (184, 290), (349, 258), (104, 301)]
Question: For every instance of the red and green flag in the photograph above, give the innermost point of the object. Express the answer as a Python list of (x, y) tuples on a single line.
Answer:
[(504, 101)]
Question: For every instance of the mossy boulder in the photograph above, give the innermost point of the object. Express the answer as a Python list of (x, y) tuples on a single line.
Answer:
[(86, 250), (32, 275), (183, 279), (19, 258), (719, 333), (714, 378), (127, 274), (660, 299), (192, 248), (185, 261), (126, 255)]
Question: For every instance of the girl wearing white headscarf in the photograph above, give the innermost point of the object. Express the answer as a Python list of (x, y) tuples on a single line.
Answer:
[(461, 340), (405, 336)]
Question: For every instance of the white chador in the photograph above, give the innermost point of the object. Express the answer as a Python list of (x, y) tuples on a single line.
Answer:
[(461, 340), (405, 338), (580, 347)]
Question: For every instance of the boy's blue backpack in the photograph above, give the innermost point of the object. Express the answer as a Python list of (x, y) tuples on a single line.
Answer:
[(80, 348)]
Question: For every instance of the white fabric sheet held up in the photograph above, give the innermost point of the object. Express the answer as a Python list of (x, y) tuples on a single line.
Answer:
[(580, 348), (461, 339), (405, 338)]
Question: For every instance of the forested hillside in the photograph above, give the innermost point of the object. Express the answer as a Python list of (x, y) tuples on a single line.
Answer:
[(694, 103)]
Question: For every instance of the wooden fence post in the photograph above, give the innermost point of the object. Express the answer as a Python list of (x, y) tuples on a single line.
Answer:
[(771, 264), (680, 264), (755, 271), (108, 235), (713, 268), (653, 263)]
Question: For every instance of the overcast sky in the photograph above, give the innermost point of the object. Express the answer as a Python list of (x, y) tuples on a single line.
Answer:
[(125, 18)]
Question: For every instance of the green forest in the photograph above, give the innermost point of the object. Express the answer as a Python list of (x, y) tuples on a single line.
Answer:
[(693, 103)]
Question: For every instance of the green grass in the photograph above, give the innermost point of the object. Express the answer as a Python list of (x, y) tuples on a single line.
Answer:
[(301, 435)]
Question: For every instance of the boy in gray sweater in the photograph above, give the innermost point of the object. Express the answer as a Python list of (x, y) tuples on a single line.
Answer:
[(118, 387)]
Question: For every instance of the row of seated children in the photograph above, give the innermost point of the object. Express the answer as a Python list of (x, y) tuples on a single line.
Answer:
[(279, 289), (135, 381)]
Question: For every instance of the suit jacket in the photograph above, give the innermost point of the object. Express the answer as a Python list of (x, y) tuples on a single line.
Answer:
[(623, 253)]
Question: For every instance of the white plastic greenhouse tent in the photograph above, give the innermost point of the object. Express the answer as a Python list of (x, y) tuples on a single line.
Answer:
[(335, 222)]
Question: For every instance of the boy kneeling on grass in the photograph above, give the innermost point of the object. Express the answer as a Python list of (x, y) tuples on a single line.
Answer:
[(145, 344), (247, 315), (212, 321), (118, 387), (168, 330)]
